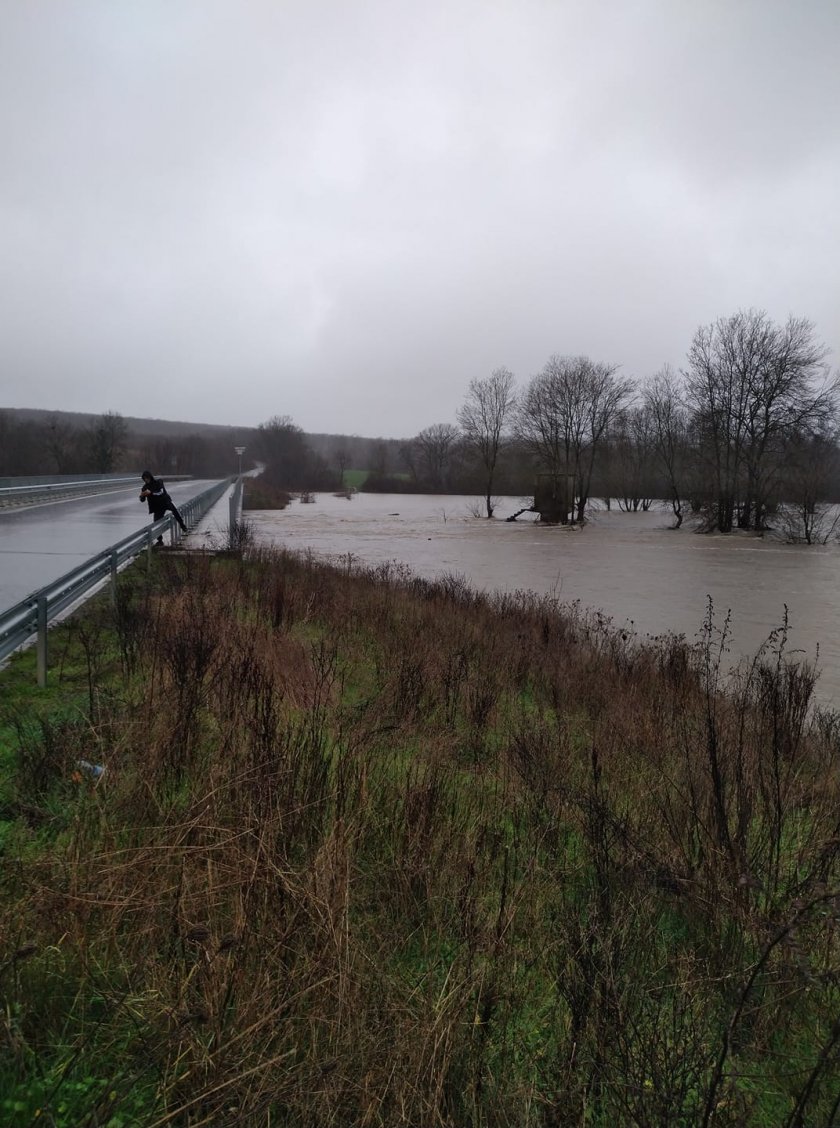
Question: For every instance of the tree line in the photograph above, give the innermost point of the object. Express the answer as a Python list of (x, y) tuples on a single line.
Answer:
[(52, 443), (745, 436)]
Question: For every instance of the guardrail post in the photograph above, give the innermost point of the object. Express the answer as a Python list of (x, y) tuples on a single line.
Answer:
[(235, 511), (114, 560), (42, 641)]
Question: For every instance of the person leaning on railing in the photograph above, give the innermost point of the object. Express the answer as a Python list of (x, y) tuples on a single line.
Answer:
[(160, 503)]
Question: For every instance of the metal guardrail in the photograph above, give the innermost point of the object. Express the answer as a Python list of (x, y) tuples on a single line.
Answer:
[(28, 481), (16, 481), (235, 509), (34, 491), (34, 614)]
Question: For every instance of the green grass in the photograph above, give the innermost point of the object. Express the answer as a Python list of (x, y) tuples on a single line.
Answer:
[(372, 851), (355, 478)]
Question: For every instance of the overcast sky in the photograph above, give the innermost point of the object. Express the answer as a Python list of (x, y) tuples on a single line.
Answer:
[(344, 210)]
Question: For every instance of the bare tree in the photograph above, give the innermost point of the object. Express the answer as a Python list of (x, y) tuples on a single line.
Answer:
[(62, 443), (564, 414), (670, 435), (632, 443), (436, 446), (378, 457), (108, 435), (408, 452), (812, 462), (791, 392), (487, 407), (541, 424), (342, 460), (751, 383), (163, 454)]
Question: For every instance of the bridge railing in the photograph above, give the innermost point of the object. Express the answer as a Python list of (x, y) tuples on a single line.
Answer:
[(34, 614), (56, 481), (39, 489)]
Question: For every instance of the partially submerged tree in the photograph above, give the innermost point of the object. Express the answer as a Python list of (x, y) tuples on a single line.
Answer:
[(812, 464), (632, 457), (751, 384), (435, 447), (564, 414), (487, 407), (669, 421)]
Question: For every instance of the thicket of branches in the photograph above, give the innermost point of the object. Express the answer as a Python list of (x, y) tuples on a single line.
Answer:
[(745, 435)]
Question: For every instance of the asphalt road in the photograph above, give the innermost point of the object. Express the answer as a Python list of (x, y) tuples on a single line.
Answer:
[(41, 543)]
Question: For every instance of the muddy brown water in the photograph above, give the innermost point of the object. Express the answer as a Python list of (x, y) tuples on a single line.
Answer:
[(631, 566)]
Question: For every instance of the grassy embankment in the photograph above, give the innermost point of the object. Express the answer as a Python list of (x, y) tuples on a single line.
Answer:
[(355, 478), (370, 851)]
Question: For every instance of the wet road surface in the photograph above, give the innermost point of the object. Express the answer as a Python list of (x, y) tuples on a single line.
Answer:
[(42, 543)]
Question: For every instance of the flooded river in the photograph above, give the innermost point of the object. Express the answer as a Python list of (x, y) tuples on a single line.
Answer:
[(631, 566)]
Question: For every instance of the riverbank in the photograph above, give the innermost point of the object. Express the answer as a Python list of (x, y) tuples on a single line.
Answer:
[(631, 566), (370, 849)]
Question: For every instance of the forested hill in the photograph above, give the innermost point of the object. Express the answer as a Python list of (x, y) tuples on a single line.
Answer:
[(37, 440), (322, 443), (137, 425)]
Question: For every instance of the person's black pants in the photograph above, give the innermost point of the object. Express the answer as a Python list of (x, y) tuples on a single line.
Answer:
[(157, 515), (171, 508)]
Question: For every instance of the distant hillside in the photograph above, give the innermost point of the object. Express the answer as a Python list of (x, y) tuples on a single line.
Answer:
[(151, 439), (137, 426)]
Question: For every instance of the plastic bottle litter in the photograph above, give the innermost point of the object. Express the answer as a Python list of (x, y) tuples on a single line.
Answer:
[(95, 771)]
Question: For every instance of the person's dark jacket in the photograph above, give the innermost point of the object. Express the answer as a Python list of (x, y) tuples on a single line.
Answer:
[(157, 497)]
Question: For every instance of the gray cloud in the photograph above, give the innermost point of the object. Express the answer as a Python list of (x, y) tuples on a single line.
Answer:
[(343, 212)]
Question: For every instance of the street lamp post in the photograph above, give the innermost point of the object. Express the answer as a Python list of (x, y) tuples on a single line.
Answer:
[(240, 451)]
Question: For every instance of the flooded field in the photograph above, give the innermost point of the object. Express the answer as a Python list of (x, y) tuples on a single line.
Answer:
[(631, 566)]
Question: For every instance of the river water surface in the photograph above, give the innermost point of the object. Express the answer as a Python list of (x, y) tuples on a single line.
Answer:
[(631, 566)]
